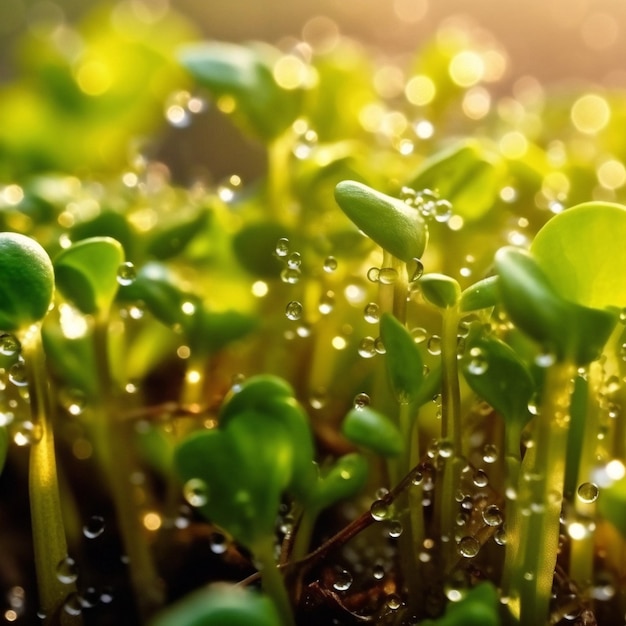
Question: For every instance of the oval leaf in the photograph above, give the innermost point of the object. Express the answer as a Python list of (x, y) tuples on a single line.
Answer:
[(582, 252), (391, 223), (345, 479), (405, 367), (26, 281), (480, 295), (86, 273), (441, 290), (569, 330), (374, 431)]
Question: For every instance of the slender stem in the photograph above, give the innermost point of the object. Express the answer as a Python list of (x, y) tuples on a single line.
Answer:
[(272, 580), (49, 540), (540, 501), (278, 192), (112, 446)]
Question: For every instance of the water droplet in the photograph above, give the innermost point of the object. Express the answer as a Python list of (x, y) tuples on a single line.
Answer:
[(196, 492), (490, 453), (72, 605), (478, 363), (480, 478), (227, 189), (387, 275), (304, 144), (492, 516), (379, 346), (442, 211), (500, 536), (434, 345), (290, 275), (588, 492), (415, 269), (545, 359), (343, 580), (373, 274), (378, 572), (468, 547), (361, 400), (419, 334), (318, 398), (395, 528), (394, 602), (367, 347), (282, 247), (417, 477), (371, 313), (379, 510), (94, 527), (218, 543), (67, 572), (445, 448), (293, 310), (330, 264), (126, 274), (18, 374), (294, 261), (9, 345)]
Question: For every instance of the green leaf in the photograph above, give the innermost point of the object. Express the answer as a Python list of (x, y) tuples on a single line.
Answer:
[(107, 224), (26, 281), (211, 331), (405, 367), (245, 73), (391, 223), (241, 471), (480, 295), (582, 253), (569, 330), (254, 246), (612, 505), (468, 175), (168, 240), (256, 393), (441, 290), (221, 604), (479, 607), (87, 273), (496, 374), (346, 478), (374, 431)]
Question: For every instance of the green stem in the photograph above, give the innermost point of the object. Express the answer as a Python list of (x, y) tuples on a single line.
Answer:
[(278, 192), (272, 580), (540, 501), (113, 448), (49, 541)]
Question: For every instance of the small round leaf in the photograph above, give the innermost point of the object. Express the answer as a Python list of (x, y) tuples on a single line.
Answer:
[(441, 290)]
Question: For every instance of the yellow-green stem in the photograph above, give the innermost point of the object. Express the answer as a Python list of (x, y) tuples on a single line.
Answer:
[(113, 449), (540, 501), (278, 192), (49, 541)]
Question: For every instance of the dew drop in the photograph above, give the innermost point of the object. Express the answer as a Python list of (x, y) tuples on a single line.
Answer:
[(468, 547), (73, 605), (343, 580), (490, 453), (126, 274), (371, 313), (415, 269), (545, 359), (379, 510), (373, 274), (434, 345), (290, 275), (73, 401), (9, 345), (445, 448), (17, 373), (294, 261), (394, 602), (367, 347), (67, 572), (480, 478), (378, 572), (218, 543), (492, 516), (478, 363), (196, 492), (588, 492), (419, 334), (442, 211), (326, 303), (387, 276), (500, 536), (361, 400), (94, 527), (395, 528), (293, 310), (282, 247), (330, 264)]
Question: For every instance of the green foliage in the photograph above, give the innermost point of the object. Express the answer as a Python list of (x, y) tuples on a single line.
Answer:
[(372, 430), (87, 273), (441, 290), (26, 281), (390, 222), (479, 607), (221, 604)]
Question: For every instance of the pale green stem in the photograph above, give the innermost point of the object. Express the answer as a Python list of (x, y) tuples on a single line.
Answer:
[(272, 580), (113, 448), (540, 501), (49, 542), (278, 192)]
